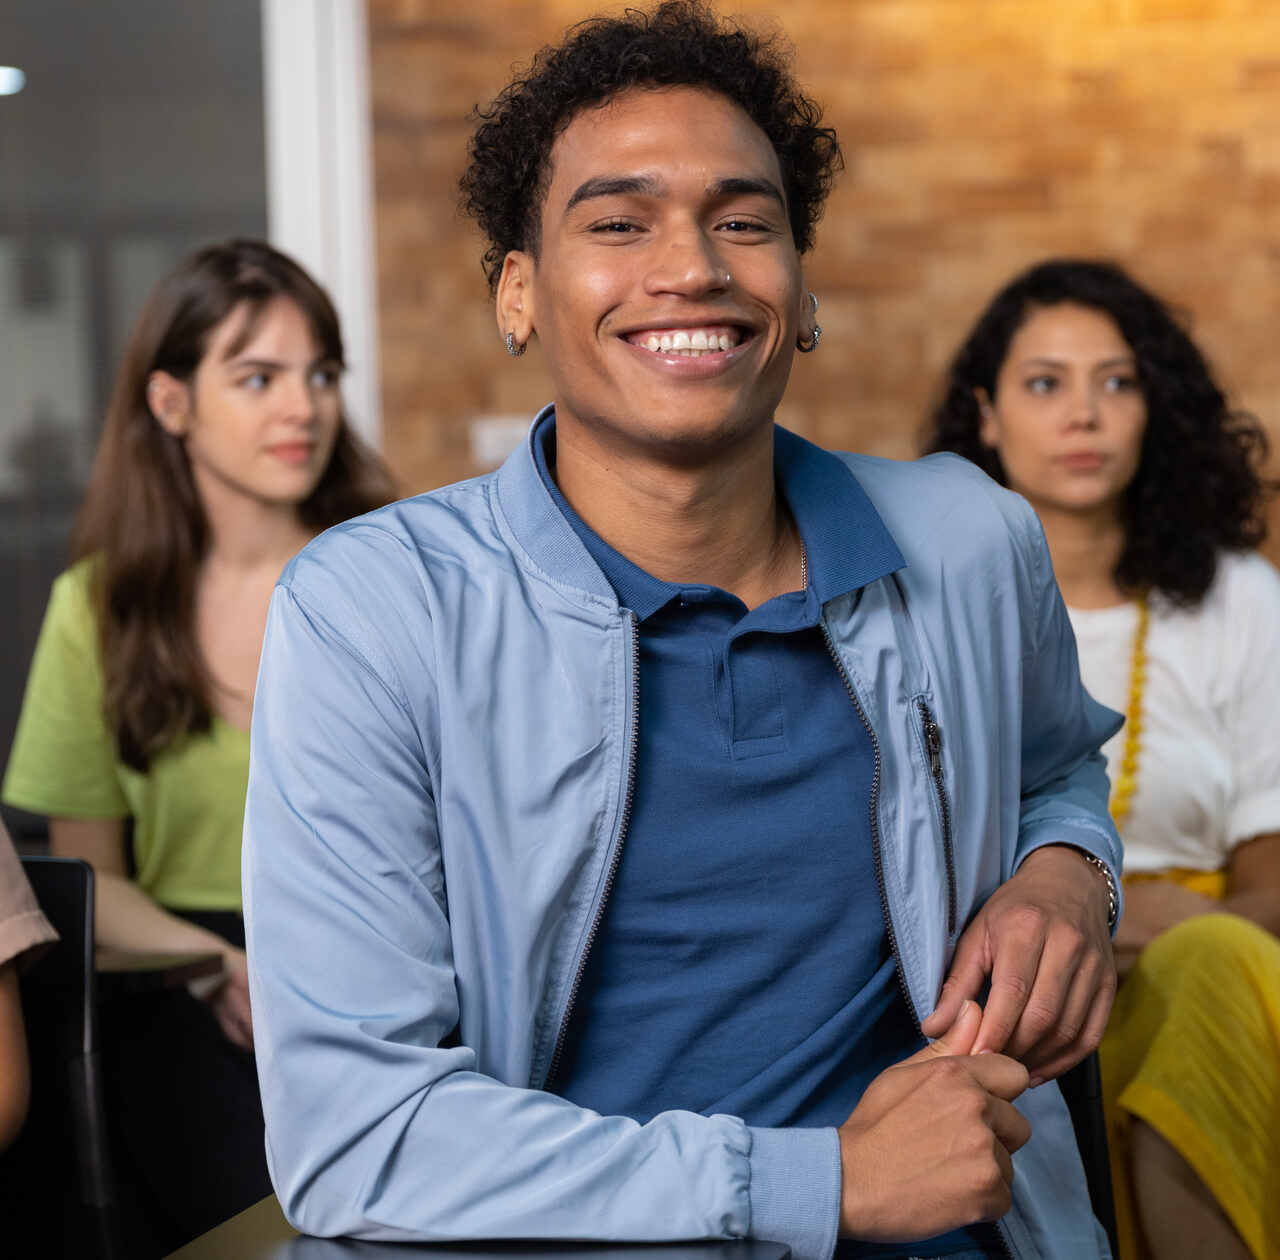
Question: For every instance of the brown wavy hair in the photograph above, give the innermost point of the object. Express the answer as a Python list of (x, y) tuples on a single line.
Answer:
[(143, 525)]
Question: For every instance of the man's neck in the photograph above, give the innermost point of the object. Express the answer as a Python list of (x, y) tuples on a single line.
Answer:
[(715, 523), (1085, 548)]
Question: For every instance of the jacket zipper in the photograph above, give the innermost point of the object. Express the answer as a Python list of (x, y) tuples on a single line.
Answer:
[(1006, 1246), (875, 825), (627, 799), (933, 745)]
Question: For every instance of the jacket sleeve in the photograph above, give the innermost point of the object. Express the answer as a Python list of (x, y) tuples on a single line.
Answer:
[(1065, 790), (375, 1129)]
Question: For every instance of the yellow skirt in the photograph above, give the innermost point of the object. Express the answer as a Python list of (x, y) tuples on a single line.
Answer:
[(1193, 1050)]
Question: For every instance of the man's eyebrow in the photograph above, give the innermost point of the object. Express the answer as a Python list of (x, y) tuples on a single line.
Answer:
[(748, 186), (615, 186), (650, 186)]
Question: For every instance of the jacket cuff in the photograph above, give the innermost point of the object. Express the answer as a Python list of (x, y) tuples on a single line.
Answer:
[(795, 1189)]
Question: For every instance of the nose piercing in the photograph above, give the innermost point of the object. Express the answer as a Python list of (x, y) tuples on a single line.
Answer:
[(728, 279)]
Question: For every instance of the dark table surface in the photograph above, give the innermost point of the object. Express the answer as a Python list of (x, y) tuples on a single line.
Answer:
[(262, 1233)]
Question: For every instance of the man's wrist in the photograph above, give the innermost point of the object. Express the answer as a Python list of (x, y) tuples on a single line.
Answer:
[(1103, 874)]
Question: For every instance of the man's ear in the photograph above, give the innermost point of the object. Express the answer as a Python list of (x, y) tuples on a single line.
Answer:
[(169, 401), (989, 422), (807, 316), (514, 306)]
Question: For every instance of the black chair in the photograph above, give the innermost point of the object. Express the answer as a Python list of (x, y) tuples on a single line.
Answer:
[(1082, 1089), (55, 1191)]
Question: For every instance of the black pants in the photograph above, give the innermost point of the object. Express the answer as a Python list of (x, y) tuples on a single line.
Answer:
[(184, 1114)]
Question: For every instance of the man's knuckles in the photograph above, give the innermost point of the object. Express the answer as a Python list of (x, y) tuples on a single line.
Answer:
[(1025, 923), (980, 1075), (1039, 1019)]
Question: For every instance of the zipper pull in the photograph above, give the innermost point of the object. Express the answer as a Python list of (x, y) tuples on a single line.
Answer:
[(932, 739)]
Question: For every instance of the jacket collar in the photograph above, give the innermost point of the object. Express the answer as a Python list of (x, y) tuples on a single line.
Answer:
[(847, 541)]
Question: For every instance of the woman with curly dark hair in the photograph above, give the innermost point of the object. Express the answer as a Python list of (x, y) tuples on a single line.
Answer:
[(614, 818), (1079, 389)]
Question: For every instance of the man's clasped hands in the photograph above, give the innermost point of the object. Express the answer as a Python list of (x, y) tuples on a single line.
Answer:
[(929, 1146)]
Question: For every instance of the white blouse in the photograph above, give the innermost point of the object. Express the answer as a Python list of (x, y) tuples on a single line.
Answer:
[(1209, 766)]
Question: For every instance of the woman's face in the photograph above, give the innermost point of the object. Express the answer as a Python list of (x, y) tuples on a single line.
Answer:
[(1068, 416), (667, 291), (259, 419)]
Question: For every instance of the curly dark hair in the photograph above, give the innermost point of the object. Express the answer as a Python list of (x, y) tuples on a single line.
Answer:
[(1198, 487), (677, 44)]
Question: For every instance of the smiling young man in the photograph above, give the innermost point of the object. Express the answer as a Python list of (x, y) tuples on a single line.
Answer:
[(617, 819)]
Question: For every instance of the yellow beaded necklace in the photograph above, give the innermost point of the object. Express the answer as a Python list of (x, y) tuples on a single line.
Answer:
[(1127, 780)]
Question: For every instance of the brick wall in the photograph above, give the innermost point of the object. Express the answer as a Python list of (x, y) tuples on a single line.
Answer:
[(981, 136)]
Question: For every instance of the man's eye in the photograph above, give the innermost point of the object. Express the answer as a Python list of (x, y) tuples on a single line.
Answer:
[(615, 227), (324, 377), (1042, 385), (1121, 382), (743, 225), (257, 381)]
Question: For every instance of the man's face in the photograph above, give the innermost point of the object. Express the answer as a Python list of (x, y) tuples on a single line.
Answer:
[(668, 293)]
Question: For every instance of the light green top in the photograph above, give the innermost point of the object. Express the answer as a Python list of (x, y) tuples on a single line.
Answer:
[(188, 809)]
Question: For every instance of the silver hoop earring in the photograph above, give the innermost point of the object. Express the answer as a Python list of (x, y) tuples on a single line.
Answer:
[(513, 349), (808, 347)]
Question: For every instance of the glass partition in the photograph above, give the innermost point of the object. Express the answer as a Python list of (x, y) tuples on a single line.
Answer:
[(137, 135)]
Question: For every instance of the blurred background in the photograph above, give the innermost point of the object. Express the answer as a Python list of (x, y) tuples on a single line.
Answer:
[(981, 135)]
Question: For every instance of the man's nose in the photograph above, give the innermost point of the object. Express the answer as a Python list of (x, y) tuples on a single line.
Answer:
[(688, 264)]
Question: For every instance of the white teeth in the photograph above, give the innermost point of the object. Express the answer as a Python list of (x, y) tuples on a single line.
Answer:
[(690, 343)]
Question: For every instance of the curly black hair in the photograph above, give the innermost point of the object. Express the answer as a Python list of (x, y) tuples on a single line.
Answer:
[(680, 43), (1198, 487)]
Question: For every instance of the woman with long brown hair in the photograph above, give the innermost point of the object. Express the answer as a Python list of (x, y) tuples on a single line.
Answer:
[(225, 450)]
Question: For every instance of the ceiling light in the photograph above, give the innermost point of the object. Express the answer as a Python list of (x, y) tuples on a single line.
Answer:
[(12, 80)]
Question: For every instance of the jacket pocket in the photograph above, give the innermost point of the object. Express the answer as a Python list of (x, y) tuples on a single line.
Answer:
[(931, 738)]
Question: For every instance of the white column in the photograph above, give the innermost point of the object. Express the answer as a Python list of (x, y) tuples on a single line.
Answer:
[(320, 173)]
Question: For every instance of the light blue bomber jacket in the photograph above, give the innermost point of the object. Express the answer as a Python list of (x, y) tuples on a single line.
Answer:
[(442, 746)]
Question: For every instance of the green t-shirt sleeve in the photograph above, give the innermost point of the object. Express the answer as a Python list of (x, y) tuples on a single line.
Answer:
[(63, 761)]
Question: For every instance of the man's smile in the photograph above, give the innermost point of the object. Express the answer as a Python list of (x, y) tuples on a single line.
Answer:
[(691, 342)]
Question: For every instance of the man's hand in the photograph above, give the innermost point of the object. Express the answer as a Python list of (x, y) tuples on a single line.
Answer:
[(927, 1149), (1043, 939), (230, 1000)]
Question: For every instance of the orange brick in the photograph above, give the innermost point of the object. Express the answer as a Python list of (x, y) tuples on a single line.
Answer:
[(982, 136)]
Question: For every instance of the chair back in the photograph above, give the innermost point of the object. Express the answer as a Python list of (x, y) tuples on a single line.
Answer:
[(63, 978), (1082, 1089), (59, 997)]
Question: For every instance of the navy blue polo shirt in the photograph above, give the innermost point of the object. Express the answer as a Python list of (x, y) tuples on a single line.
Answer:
[(743, 965)]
